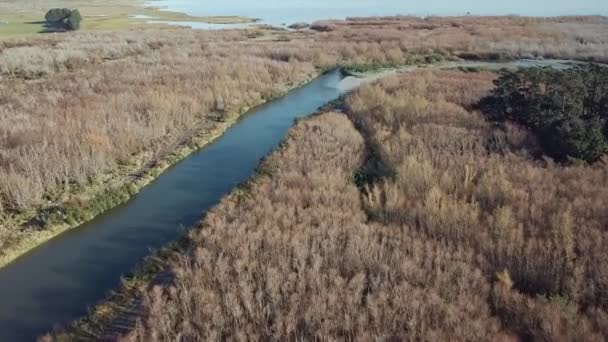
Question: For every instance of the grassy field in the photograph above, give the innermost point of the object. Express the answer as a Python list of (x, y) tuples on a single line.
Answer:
[(24, 18)]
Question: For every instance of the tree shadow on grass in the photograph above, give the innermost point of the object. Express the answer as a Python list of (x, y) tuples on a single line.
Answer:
[(49, 27)]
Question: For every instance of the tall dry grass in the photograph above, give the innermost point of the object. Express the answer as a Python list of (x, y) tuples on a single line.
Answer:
[(79, 109), (482, 37), (111, 95), (464, 236), (295, 258), (461, 182)]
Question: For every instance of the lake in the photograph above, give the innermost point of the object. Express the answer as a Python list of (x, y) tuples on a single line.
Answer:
[(280, 12)]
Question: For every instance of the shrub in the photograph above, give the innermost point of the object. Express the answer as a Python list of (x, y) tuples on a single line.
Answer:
[(323, 26), (63, 18), (73, 21), (299, 26), (56, 15)]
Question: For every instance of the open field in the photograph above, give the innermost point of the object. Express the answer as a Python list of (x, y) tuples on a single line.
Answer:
[(87, 109), (25, 18), (402, 218)]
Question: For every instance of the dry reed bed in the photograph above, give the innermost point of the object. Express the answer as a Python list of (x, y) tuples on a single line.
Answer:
[(538, 227), (469, 239), (482, 37), (72, 128), (79, 109), (293, 258)]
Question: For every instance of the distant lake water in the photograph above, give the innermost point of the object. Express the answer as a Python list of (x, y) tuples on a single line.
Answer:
[(279, 12)]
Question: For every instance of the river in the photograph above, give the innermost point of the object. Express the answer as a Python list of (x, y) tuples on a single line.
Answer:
[(59, 280)]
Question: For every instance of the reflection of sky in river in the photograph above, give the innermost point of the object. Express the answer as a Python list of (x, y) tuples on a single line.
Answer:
[(277, 12)]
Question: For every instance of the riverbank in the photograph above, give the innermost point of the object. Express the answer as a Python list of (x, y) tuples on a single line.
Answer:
[(66, 216)]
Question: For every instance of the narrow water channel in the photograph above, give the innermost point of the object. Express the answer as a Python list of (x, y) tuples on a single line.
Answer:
[(59, 280)]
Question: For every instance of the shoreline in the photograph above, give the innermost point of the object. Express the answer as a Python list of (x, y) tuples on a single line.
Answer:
[(133, 183)]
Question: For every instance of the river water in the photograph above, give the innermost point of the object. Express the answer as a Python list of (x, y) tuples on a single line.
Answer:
[(59, 280)]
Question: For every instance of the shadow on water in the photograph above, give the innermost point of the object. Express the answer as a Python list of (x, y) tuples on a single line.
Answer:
[(56, 282)]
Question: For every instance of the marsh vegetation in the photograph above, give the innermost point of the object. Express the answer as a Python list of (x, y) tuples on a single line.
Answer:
[(407, 215), (401, 218), (86, 110)]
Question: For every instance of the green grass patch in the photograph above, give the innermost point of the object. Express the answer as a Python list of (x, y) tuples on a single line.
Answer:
[(19, 29), (75, 212)]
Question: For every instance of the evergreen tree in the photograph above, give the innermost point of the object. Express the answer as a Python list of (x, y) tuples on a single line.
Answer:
[(567, 109)]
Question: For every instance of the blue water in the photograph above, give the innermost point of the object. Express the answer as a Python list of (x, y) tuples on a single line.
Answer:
[(57, 281), (279, 12)]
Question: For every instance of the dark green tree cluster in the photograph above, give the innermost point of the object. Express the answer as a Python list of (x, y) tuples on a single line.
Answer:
[(64, 18), (566, 109)]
